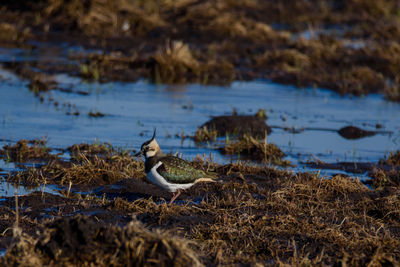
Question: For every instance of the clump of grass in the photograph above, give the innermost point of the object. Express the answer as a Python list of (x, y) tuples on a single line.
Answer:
[(102, 150), (10, 33), (383, 178), (41, 82), (95, 171), (392, 90), (100, 171), (90, 165), (261, 114), (177, 63), (393, 159), (252, 215), (90, 71), (106, 18), (203, 134), (216, 71), (96, 114), (361, 79), (108, 66), (282, 217), (27, 150), (251, 148), (290, 60), (174, 62), (83, 241)]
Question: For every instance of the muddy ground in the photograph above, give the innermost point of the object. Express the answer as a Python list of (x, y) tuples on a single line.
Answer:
[(252, 215), (350, 47), (106, 213)]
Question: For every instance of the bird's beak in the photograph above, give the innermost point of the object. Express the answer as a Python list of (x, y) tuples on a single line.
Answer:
[(140, 153)]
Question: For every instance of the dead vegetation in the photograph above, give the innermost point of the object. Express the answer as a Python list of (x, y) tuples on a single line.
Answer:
[(39, 82), (256, 215), (250, 148), (392, 159), (80, 151), (203, 134), (27, 151), (253, 215), (91, 243), (90, 165), (354, 48), (388, 178), (93, 171)]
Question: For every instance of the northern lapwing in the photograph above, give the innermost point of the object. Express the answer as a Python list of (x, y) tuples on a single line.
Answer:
[(169, 172)]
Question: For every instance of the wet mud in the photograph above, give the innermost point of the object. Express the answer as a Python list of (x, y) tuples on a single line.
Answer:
[(304, 43), (101, 209), (279, 216)]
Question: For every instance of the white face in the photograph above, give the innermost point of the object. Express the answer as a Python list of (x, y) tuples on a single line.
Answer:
[(149, 153), (151, 149)]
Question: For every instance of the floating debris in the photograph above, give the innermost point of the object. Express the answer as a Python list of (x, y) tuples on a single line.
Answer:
[(352, 132)]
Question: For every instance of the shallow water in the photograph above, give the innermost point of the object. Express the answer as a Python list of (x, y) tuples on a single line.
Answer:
[(135, 108), (9, 190)]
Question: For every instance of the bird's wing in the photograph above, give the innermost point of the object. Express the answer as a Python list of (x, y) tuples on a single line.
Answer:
[(179, 171)]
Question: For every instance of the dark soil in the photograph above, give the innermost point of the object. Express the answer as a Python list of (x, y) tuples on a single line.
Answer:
[(355, 51), (252, 215)]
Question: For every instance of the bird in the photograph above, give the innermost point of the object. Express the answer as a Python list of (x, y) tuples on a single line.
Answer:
[(169, 172)]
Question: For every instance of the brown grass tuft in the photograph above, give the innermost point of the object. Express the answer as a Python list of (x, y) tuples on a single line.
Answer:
[(83, 241), (249, 147), (25, 150), (202, 134), (393, 159), (383, 178), (91, 165)]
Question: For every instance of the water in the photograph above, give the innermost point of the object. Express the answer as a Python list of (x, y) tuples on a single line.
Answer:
[(134, 109), (9, 190), (338, 31)]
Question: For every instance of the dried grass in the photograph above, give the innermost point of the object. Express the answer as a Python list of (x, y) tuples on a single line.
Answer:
[(96, 164), (393, 159), (248, 147), (253, 215), (203, 134), (84, 242), (27, 150), (281, 218)]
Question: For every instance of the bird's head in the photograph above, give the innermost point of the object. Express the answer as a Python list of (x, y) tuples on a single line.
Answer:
[(149, 148)]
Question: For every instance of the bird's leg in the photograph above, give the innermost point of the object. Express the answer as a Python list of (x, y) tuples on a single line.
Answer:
[(174, 196)]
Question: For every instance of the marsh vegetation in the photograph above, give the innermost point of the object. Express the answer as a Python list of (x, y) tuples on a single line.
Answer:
[(90, 68)]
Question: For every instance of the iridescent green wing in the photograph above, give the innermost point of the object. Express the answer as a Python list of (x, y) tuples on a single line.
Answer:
[(179, 171)]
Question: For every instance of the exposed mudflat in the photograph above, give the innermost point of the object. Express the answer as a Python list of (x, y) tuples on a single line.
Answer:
[(293, 106)]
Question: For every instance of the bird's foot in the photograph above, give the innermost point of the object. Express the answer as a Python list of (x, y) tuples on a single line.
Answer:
[(174, 196)]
